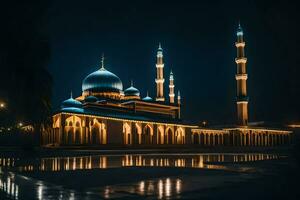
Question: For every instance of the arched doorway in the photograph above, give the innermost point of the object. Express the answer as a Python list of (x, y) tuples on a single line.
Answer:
[(201, 137), (95, 133), (127, 137), (196, 138), (179, 136), (103, 134), (137, 133), (147, 136), (69, 136), (169, 136), (160, 135), (247, 139), (77, 133)]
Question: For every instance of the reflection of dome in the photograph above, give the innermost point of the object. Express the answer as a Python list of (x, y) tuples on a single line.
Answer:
[(102, 81), (91, 99), (132, 91)]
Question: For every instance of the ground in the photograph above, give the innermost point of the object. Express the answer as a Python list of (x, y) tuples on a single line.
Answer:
[(274, 178)]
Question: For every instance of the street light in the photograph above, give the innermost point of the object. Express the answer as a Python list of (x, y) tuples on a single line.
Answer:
[(2, 105)]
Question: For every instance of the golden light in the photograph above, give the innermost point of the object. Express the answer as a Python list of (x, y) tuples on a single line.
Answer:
[(20, 124), (2, 105), (294, 125)]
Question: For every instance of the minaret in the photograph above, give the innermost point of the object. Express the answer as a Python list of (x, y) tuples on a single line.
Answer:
[(241, 79), (179, 104), (171, 87), (160, 75)]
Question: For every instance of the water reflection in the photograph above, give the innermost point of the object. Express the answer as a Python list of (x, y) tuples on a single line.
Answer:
[(21, 187), (208, 161), (18, 187), (9, 187), (164, 188)]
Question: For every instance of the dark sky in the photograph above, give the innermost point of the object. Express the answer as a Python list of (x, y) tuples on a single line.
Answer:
[(198, 41)]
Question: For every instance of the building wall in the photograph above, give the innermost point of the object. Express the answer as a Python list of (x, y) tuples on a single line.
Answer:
[(114, 130), (241, 137), (71, 129)]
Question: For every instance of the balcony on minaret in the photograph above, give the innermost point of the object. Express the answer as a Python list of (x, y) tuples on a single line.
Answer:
[(240, 44), (159, 65), (241, 76), (241, 60), (159, 80)]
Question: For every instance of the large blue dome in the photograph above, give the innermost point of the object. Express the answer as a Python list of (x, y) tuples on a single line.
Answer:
[(102, 80)]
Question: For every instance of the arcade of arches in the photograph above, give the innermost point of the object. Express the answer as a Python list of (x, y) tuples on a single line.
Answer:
[(72, 129), (148, 133), (240, 137), (78, 130)]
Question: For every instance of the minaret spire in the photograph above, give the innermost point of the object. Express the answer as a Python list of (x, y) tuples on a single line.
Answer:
[(241, 79), (179, 104), (178, 98), (171, 87), (71, 94), (102, 62), (159, 75)]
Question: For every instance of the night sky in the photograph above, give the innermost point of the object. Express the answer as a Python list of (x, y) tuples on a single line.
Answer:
[(198, 41)]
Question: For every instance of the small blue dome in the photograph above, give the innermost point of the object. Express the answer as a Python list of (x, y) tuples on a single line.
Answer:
[(91, 99), (132, 91), (147, 98), (72, 109), (71, 103), (102, 80)]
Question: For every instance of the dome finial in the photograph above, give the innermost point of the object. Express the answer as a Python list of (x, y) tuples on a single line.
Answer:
[(71, 95), (102, 61), (131, 83), (147, 93), (159, 46), (240, 29)]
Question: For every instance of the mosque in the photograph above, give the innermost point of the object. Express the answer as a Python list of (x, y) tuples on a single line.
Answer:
[(106, 114)]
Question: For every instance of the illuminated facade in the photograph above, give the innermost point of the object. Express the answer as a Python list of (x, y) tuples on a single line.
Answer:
[(241, 79), (105, 114), (160, 75)]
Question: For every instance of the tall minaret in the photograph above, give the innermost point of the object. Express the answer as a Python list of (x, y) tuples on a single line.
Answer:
[(171, 87), (241, 80), (160, 75)]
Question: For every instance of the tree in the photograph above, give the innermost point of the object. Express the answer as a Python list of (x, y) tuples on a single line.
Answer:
[(25, 83)]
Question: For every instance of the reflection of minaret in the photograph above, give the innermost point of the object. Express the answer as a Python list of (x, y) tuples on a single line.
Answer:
[(160, 75), (171, 87), (241, 79)]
